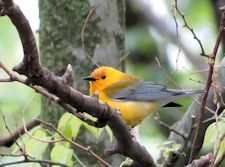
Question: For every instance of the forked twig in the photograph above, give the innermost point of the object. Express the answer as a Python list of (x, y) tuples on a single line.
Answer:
[(87, 149), (212, 58), (190, 29)]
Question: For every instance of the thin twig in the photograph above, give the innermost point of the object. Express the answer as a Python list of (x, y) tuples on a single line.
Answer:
[(13, 136), (212, 58), (178, 41), (204, 161), (90, 13), (13, 77), (158, 62), (38, 75), (157, 118), (87, 149), (28, 160), (190, 29), (122, 59)]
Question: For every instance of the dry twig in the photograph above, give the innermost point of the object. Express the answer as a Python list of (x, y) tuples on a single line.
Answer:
[(212, 58), (62, 92)]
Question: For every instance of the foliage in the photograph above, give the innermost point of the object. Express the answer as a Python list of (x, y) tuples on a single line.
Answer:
[(141, 42)]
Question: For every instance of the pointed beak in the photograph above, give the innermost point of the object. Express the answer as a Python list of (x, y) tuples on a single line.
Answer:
[(89, 78)]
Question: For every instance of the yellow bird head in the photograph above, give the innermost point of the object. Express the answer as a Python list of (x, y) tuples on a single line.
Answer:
[(101, 78)]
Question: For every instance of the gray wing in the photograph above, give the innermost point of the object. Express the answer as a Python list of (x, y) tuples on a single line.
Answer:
[(148, 91)]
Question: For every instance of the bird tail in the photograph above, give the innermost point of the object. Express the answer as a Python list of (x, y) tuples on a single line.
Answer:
[(177, 92)]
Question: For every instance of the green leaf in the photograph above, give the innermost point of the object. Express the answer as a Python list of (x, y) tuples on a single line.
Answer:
[(221, 150), (9, 159), (211, 133), (168, 147), (93, 130), (108, 130), (34, 147), (62, 153), (211, 137), (69, 125)]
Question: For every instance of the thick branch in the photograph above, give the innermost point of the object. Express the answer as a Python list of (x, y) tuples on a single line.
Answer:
[(38, 75), (9, 140), (31, 59)]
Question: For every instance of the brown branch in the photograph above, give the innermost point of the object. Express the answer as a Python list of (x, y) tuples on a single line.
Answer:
[(29, 160), (212, 59), (122, 59), (170, 128), (90, 13), (9, 140), (190, 29), (165, 28), (38, 75), (31, 58), (187, 125), (205, 160), (87, 149), (66, 76)]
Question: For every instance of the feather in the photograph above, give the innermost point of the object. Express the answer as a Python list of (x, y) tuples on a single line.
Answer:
[(148, 91)]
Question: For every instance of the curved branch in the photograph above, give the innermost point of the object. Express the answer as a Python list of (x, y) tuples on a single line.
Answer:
[(31, 58), (164, 27), (37, 75), (29, 160), (184, 126), (212, 59), (193, 144), (87, 149), (9, 140)]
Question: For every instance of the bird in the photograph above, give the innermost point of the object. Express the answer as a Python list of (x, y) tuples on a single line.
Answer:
[(134, 98)]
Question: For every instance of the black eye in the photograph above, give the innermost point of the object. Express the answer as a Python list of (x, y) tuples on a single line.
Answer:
[(103, 77)]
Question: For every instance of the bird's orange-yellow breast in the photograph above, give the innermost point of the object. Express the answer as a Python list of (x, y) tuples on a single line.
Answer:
[(133, 112)]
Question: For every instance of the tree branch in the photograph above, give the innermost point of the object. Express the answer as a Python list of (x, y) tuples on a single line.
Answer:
[(202, 112), (29, 160), (205, 160), (9, 140), (37, 75), (212, 59), (165, 28), (185, 125), (31, 59), (87, 149)]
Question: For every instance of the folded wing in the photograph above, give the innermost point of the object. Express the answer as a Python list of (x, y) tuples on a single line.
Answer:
[(148, 91)]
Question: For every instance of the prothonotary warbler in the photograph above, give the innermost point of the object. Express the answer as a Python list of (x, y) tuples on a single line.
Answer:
[(134, 98)]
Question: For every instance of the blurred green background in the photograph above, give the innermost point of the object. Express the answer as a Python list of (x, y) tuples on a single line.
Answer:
[(146, 45)]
